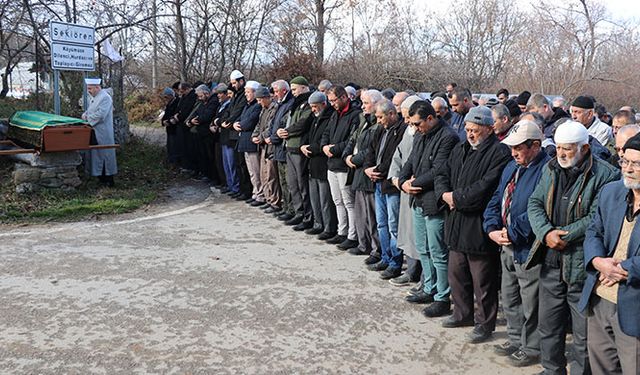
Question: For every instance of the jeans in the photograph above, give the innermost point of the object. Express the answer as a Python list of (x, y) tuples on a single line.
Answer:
[(434, 256), (387, 211), (228, 161)]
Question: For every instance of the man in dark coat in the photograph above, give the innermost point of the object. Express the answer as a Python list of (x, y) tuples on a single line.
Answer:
[(432, 147), (245, 126), (298, 120), (284, 97), (387, 196), (364, 198), (324, 211), (465, 184), (172, 100), (334, 141), (188, 99), (203, 140)]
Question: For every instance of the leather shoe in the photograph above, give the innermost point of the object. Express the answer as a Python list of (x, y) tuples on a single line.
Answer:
[(325, 236), (451, 322), (371, 259), (356, 251), (314, 230), (243, 197), (294, 220), (264, 206), (234, 195), (522, 359), (505, 349), (401, 280), (272, 210), (257, 203), (249, 200), (285, 216), (302, 226), (336, 239), (347, 244), (478, 335), (420, 297), (390, 273), (438, 308), (380, 266)]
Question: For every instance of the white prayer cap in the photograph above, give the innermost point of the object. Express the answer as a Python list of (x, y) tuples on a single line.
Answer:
[(236, 75), (253, 85), (571, 132), (92, 81), (351, 92)]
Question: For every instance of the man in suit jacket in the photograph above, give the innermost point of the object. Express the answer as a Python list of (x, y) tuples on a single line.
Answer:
[(612, 262)]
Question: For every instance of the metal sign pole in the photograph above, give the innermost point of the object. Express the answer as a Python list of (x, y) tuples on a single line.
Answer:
[(56, 91), (85, 97)]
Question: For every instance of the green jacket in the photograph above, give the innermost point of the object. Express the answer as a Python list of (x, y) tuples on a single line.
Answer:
[(298, 122), (582, 207)]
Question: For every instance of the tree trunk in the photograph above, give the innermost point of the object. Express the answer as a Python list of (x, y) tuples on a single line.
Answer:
[(182, 42), (120, 120), (320, 31)]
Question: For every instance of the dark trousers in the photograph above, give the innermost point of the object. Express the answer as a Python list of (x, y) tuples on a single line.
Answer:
[(414, 269), (190, 148), (364, 208), (246, 187), (203, 160), (298, 182), (324, 211), (173, 155), (218, 162), (558, 303), (284, 188), (475, 275)]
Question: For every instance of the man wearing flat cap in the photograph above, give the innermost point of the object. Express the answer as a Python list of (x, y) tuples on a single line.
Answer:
[(297, 123), (583, 110), (268, 166), (560, 209), (612, 262), (464, 185), (99, 114), (507, 224)]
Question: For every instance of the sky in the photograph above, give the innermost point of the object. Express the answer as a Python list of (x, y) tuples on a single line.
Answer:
[(619, 9)]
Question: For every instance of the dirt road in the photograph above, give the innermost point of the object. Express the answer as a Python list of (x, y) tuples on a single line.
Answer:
[(215, 287)]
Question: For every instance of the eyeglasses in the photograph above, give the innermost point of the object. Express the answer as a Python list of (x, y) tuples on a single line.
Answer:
[(635, 165)]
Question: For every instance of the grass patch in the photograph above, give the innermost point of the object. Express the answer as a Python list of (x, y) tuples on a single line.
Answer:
[(141, 177)]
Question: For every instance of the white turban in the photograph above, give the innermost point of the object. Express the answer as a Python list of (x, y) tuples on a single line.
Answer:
[(236, 75), (571, 132)]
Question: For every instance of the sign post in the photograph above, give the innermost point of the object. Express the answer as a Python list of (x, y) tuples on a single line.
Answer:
[(71, 49)]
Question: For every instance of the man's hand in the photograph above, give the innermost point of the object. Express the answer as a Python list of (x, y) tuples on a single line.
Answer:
[(348, 161), (213, 128), (500, 237), (554, 240), (448, 199), (255, 140), (396, 182), (327, 150), (84, 116), (282, 133), (267, 140), (305, 149), (372, 174), (195, 121), (226, 125), (236, 127), (408, 188), (611, 271)]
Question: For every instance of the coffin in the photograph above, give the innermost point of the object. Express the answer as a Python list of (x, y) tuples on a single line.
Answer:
[(49, 133)]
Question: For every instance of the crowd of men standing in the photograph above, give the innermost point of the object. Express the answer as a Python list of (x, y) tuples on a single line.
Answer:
[(477, 195)]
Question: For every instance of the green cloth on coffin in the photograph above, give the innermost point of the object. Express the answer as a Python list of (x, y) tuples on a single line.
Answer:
[(33, 120), (27, 126)]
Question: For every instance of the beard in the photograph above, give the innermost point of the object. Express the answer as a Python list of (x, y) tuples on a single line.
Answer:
[(630, 182), (479, 139), (570, 163)]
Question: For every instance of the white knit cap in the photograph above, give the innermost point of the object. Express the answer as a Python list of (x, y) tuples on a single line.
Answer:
[(236, 75), (408, 102), (571, 132), (253, 85)]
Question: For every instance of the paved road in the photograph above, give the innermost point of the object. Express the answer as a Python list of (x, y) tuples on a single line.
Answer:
[(212, 288)]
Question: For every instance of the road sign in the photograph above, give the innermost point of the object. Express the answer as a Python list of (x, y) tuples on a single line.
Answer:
[(71, 46)]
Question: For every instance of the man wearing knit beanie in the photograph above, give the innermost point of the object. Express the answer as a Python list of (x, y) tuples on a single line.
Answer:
[(560, 210), (582, 110)]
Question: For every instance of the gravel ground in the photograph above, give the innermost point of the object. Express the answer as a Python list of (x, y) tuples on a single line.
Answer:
[(210, 287)]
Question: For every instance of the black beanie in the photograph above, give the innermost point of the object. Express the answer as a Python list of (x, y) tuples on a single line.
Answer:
[(514, 110), (583, 102), (633, 143), (523, 98)]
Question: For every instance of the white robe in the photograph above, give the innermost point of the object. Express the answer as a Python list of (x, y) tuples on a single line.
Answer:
[(99, 115)]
